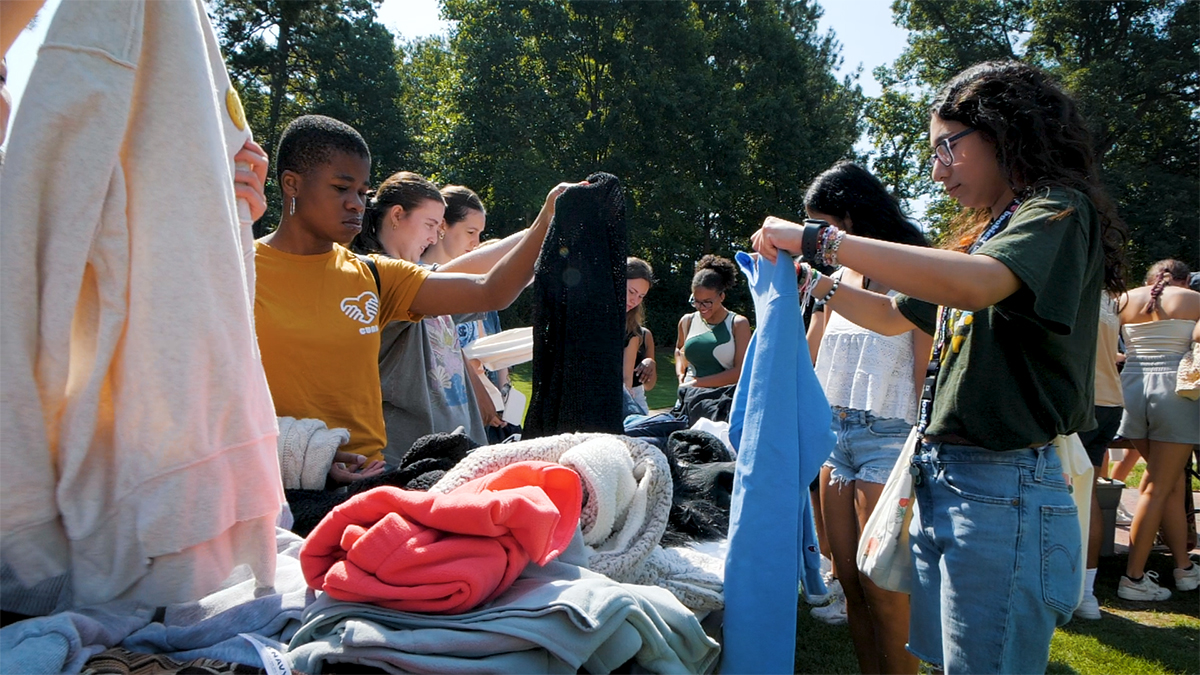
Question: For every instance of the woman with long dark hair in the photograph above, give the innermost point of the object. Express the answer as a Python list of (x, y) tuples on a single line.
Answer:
[(997, 549), (872, 382)]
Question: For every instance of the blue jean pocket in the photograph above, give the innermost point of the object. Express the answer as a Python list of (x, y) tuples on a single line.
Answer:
[(1061, 548), (986, 484), (889, 427)]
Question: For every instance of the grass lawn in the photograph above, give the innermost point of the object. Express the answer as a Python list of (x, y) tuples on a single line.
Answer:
[(661, 396), (1135, 476), (1132, 637)]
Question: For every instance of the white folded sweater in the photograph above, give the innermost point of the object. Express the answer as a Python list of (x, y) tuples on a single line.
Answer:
[(138, 430)]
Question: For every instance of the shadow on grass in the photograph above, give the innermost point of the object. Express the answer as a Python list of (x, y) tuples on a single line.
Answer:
[(821, 648), (1164, 634)]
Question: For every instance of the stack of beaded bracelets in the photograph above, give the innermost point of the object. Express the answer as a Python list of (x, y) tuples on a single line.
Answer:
[(819, 242), (807, 278)]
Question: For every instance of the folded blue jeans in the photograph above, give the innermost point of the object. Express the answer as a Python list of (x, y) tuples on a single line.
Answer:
[(996, 557)]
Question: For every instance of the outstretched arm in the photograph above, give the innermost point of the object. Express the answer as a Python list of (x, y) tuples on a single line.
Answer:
[(456, 293), (950, 278)]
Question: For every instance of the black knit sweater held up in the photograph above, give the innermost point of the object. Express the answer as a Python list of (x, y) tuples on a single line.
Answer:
[(579, 314)]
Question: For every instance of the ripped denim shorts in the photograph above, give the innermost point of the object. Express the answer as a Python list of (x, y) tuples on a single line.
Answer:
[(867, 446)]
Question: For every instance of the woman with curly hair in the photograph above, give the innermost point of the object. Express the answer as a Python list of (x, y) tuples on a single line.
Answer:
[(996, 544), (711, 341)]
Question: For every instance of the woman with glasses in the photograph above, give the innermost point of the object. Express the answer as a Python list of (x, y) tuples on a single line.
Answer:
[(995, 537), (712, 340)]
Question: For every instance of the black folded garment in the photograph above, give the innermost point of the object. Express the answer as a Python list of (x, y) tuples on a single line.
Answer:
[(702, 471), (423, 465)]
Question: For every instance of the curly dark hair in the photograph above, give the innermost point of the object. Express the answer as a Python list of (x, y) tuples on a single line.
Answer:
[(715, 273), (311, 140), (847, 190), (403, 188), (1041, 141)]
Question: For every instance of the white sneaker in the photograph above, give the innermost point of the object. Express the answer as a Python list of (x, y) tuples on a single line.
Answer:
[(1146, 590), (1187, 580), (1089, 608), (833, 591), (1123, 517), (833, 614)]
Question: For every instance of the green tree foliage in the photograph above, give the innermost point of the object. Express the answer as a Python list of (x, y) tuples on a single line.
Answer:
[(1132, 65), (331, 57), (713, 114)]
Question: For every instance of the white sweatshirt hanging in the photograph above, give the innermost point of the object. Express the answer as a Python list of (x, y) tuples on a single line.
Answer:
[(138, 431)]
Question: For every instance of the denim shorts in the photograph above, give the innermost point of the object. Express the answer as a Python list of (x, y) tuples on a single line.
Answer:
[(867, 446), (997, 558)]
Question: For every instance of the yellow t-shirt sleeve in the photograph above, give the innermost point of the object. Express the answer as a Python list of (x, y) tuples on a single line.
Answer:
[(399, 281)]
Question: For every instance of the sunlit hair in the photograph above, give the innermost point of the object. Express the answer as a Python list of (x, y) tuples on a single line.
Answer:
[(405, 189), (1160, 274), (636, 268), (311, 140), (847, 190), (1041, 141), (460, 202), (715, 273)]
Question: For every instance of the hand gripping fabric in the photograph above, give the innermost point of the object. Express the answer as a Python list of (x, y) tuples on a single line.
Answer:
[(779, 424), (444, 553), (579, 314)]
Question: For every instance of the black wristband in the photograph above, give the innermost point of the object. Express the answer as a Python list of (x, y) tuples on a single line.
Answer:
[(809, 239)]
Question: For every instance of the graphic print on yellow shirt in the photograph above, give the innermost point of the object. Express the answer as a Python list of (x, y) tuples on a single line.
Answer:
[(317, 318)]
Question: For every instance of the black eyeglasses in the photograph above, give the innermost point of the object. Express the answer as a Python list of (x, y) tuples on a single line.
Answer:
[(942, 152), (700, 304)]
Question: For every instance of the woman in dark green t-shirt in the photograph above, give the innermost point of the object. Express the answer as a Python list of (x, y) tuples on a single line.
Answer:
[(997, 554)]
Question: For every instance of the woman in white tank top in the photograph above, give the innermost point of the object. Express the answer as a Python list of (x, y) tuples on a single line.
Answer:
[(872, 384)]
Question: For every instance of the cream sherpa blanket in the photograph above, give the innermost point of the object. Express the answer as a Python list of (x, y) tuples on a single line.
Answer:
[(627, 500)]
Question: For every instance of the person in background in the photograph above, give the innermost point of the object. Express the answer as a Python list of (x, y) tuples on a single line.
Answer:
[(462, 229), (1159, 320), (1108, 406), (872, 383), (711, 341), (995, 532), (641, 372)]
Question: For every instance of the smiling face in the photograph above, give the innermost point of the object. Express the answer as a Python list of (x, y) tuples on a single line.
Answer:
[(974, 179), (406, 233), (464, 235), (635, 292), (330, 197), (707, 301)]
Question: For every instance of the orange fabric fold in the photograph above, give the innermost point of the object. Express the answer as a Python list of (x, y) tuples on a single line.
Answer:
[(444, 553)]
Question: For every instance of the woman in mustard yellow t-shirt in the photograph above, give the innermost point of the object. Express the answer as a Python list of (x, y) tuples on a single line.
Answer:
[(318, 308)]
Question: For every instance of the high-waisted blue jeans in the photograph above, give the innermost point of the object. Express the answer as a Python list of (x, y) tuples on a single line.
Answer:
[(996, 552)]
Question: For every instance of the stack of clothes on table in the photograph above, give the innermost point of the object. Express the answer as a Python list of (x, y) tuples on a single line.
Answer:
[(543, 555)]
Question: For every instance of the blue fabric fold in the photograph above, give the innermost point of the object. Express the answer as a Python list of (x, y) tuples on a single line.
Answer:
[(779, 424)]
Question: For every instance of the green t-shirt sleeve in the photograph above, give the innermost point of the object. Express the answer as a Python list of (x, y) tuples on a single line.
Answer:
[(922, 314), (1046, 245)]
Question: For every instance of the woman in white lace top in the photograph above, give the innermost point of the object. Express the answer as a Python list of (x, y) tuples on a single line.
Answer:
[(872, 383)]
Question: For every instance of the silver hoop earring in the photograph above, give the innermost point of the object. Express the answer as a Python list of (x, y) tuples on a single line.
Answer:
[(292, 210)]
